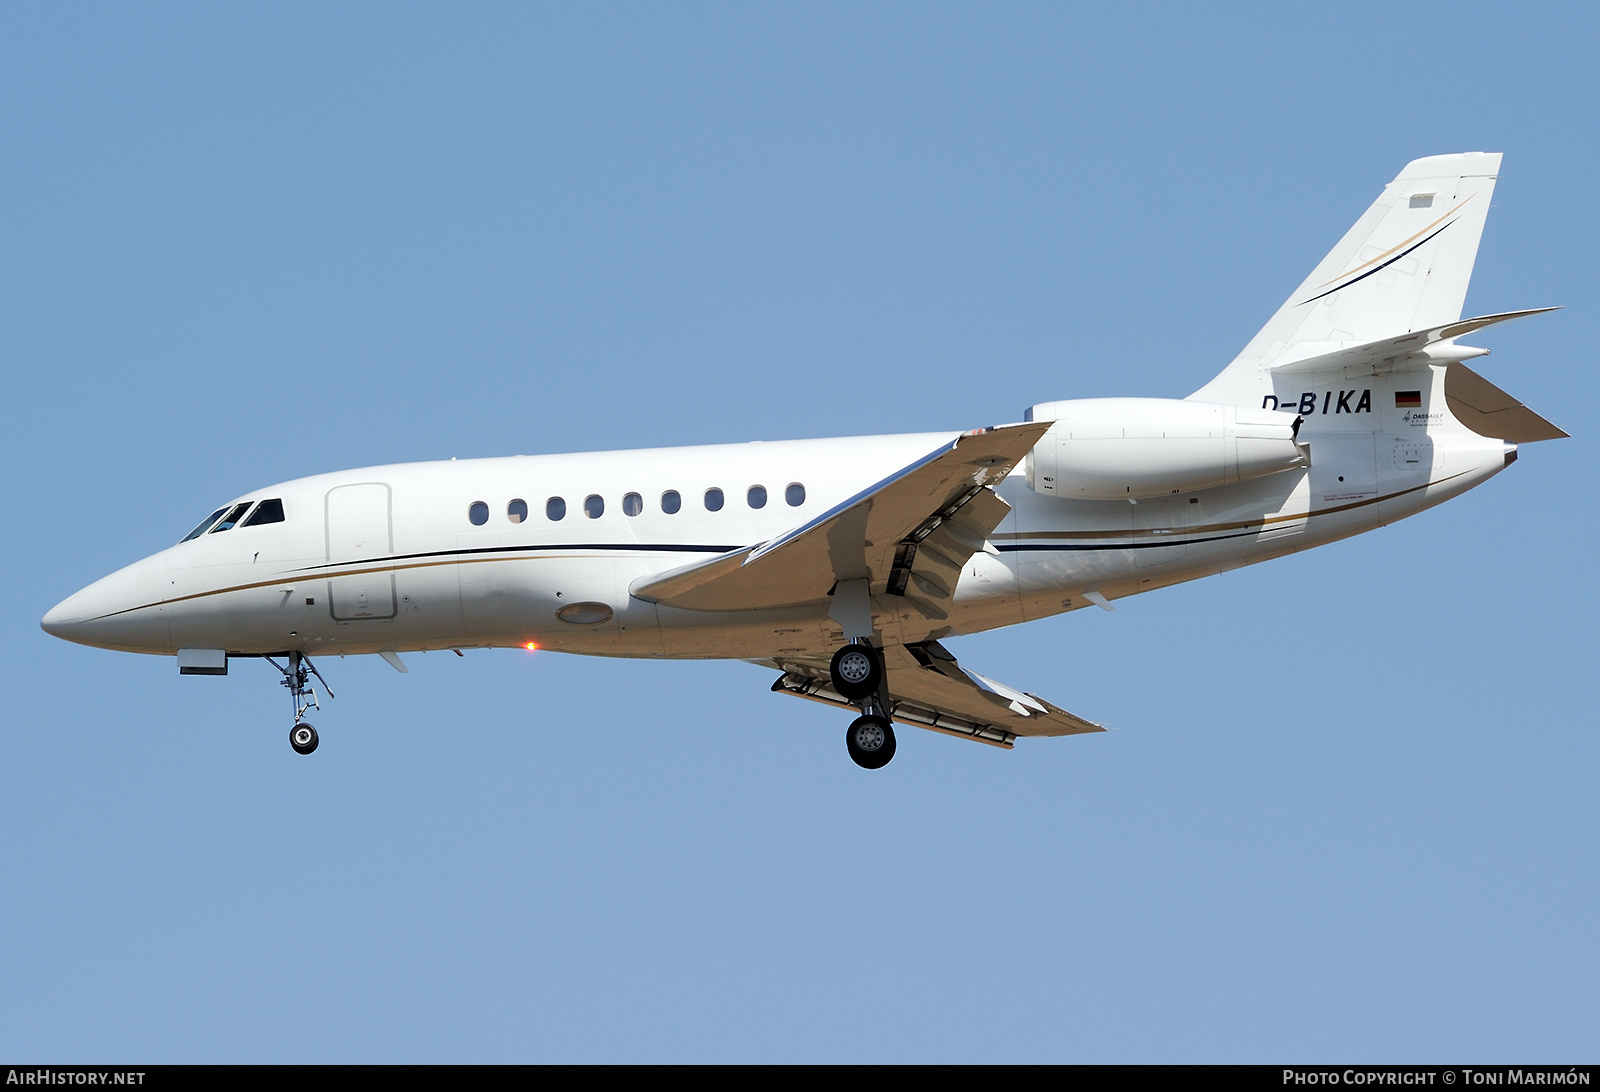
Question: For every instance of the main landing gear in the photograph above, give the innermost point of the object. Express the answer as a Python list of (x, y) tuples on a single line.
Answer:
[(297, 677), (857, 676), (856, 671), (870, 741)]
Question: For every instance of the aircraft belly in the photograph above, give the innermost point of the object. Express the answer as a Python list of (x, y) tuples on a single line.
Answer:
[(506, 597), (692, 634), (570, 602), (1065, 548), (808, 630)]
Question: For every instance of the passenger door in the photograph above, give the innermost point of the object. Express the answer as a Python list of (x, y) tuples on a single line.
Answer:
[(360, 536)]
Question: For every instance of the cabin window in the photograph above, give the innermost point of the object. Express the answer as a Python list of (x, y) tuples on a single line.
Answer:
[(268, 511), (517, 510), (713, 499), (594, 506), (632, 504), (555, 509), (757, 496), (478, 513), (204, 525), (226, 522), (795, 495), (670, 502)]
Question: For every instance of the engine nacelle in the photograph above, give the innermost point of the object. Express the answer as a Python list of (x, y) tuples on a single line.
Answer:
[(1131, 448)]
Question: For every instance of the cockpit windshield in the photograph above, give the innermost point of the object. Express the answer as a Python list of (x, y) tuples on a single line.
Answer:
[(204, 525), (268, 511), (229, 516), (236, 513)]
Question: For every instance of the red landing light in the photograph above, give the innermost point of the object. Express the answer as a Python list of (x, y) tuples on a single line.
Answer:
[(532, 646)]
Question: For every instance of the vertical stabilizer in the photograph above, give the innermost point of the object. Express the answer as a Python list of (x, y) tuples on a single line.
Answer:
[(1404, 266)]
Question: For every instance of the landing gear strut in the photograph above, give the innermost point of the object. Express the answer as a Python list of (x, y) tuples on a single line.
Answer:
[(297, 677)]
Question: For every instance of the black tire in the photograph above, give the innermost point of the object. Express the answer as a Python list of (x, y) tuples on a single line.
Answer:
[(303, 738), (856, 672), (870, 741)]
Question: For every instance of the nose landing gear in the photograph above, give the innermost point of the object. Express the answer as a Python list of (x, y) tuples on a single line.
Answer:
[(303, 738), (297, 677)]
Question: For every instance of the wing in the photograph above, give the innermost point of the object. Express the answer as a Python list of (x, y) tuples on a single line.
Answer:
[(939, 505), (928, 689)]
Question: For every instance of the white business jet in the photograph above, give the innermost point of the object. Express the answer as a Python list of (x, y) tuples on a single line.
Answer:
[(841, 564)]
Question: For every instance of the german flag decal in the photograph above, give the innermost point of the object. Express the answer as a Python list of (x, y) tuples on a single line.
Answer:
[(1407, 399)]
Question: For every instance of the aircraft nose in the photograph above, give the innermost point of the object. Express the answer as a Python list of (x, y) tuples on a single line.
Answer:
[(120, 611), (60, 619)]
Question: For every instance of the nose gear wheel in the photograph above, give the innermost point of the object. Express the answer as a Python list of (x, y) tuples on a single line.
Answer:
[(303, 738)]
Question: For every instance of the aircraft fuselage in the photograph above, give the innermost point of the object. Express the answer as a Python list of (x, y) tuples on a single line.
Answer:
[(390, 559)]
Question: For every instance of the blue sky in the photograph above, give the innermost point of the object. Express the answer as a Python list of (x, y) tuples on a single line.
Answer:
[(240, 247)]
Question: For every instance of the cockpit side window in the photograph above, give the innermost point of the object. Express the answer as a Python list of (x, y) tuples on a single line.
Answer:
[(234, 515), (204, 525), (268, 511)]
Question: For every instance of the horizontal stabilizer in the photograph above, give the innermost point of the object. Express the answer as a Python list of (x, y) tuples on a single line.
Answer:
[(1421, 347), (928, 689), (1490, 411), (860, 538)]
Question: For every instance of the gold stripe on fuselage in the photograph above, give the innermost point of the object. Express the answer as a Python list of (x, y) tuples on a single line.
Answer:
[(298, 575)]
